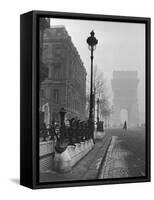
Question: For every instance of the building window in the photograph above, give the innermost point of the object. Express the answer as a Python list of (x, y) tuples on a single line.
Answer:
[(56, 96), (57, 66), (57, 74), (42, 93), (58, 51)]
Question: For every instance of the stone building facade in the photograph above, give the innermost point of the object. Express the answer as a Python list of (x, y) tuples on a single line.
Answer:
[(65, 85), (44, 23)]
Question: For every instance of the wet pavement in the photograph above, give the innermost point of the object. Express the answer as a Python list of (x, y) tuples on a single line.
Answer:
[(126, 154)]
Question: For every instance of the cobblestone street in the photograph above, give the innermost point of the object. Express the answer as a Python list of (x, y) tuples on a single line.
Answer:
[(125, 156), (115, 165)]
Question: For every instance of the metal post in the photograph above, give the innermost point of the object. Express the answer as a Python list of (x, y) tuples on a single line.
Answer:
[(62, 128), (92, 42), (97, 114), (91, 88)]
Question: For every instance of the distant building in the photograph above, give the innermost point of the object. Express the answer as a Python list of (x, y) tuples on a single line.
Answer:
[(125, 90), (65, 85)]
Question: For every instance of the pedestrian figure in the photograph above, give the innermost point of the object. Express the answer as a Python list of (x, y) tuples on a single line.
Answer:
[(125, 125)]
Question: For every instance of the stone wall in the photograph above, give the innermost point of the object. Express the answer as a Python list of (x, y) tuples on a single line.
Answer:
[(46, 153)]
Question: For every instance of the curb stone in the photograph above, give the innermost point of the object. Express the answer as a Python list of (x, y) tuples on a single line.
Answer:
[(95, 168), (103, 159)]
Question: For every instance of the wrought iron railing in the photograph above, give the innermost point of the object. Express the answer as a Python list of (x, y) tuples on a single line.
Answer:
[(77, 131)]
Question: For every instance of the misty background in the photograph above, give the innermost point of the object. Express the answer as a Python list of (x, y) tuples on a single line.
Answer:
[(121, 46)]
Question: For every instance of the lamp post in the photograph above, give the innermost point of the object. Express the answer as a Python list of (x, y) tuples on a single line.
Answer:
[(62, 113), (98, 114), (92, 42)]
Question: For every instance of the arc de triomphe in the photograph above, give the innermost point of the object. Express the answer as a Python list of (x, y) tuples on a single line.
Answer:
[(124, 86)]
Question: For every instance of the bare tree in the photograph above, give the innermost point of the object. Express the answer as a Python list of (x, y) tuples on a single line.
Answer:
[(99, 92), (99, 83), (105, 110)]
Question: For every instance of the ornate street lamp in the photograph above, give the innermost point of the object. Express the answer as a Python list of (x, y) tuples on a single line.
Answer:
[(92, 42)]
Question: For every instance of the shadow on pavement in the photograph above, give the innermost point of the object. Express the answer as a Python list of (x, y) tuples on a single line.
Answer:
[(15, 180)]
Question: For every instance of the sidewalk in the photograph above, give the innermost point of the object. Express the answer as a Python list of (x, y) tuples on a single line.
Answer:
[(87, 168)]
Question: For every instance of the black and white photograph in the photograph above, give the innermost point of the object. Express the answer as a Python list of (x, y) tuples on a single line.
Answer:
[(76, 100), (92, 100)]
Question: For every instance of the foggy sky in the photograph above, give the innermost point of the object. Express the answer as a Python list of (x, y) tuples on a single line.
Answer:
[(121, 46)]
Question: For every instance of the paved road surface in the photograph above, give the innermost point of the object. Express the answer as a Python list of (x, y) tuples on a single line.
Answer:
[(126, 154)]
